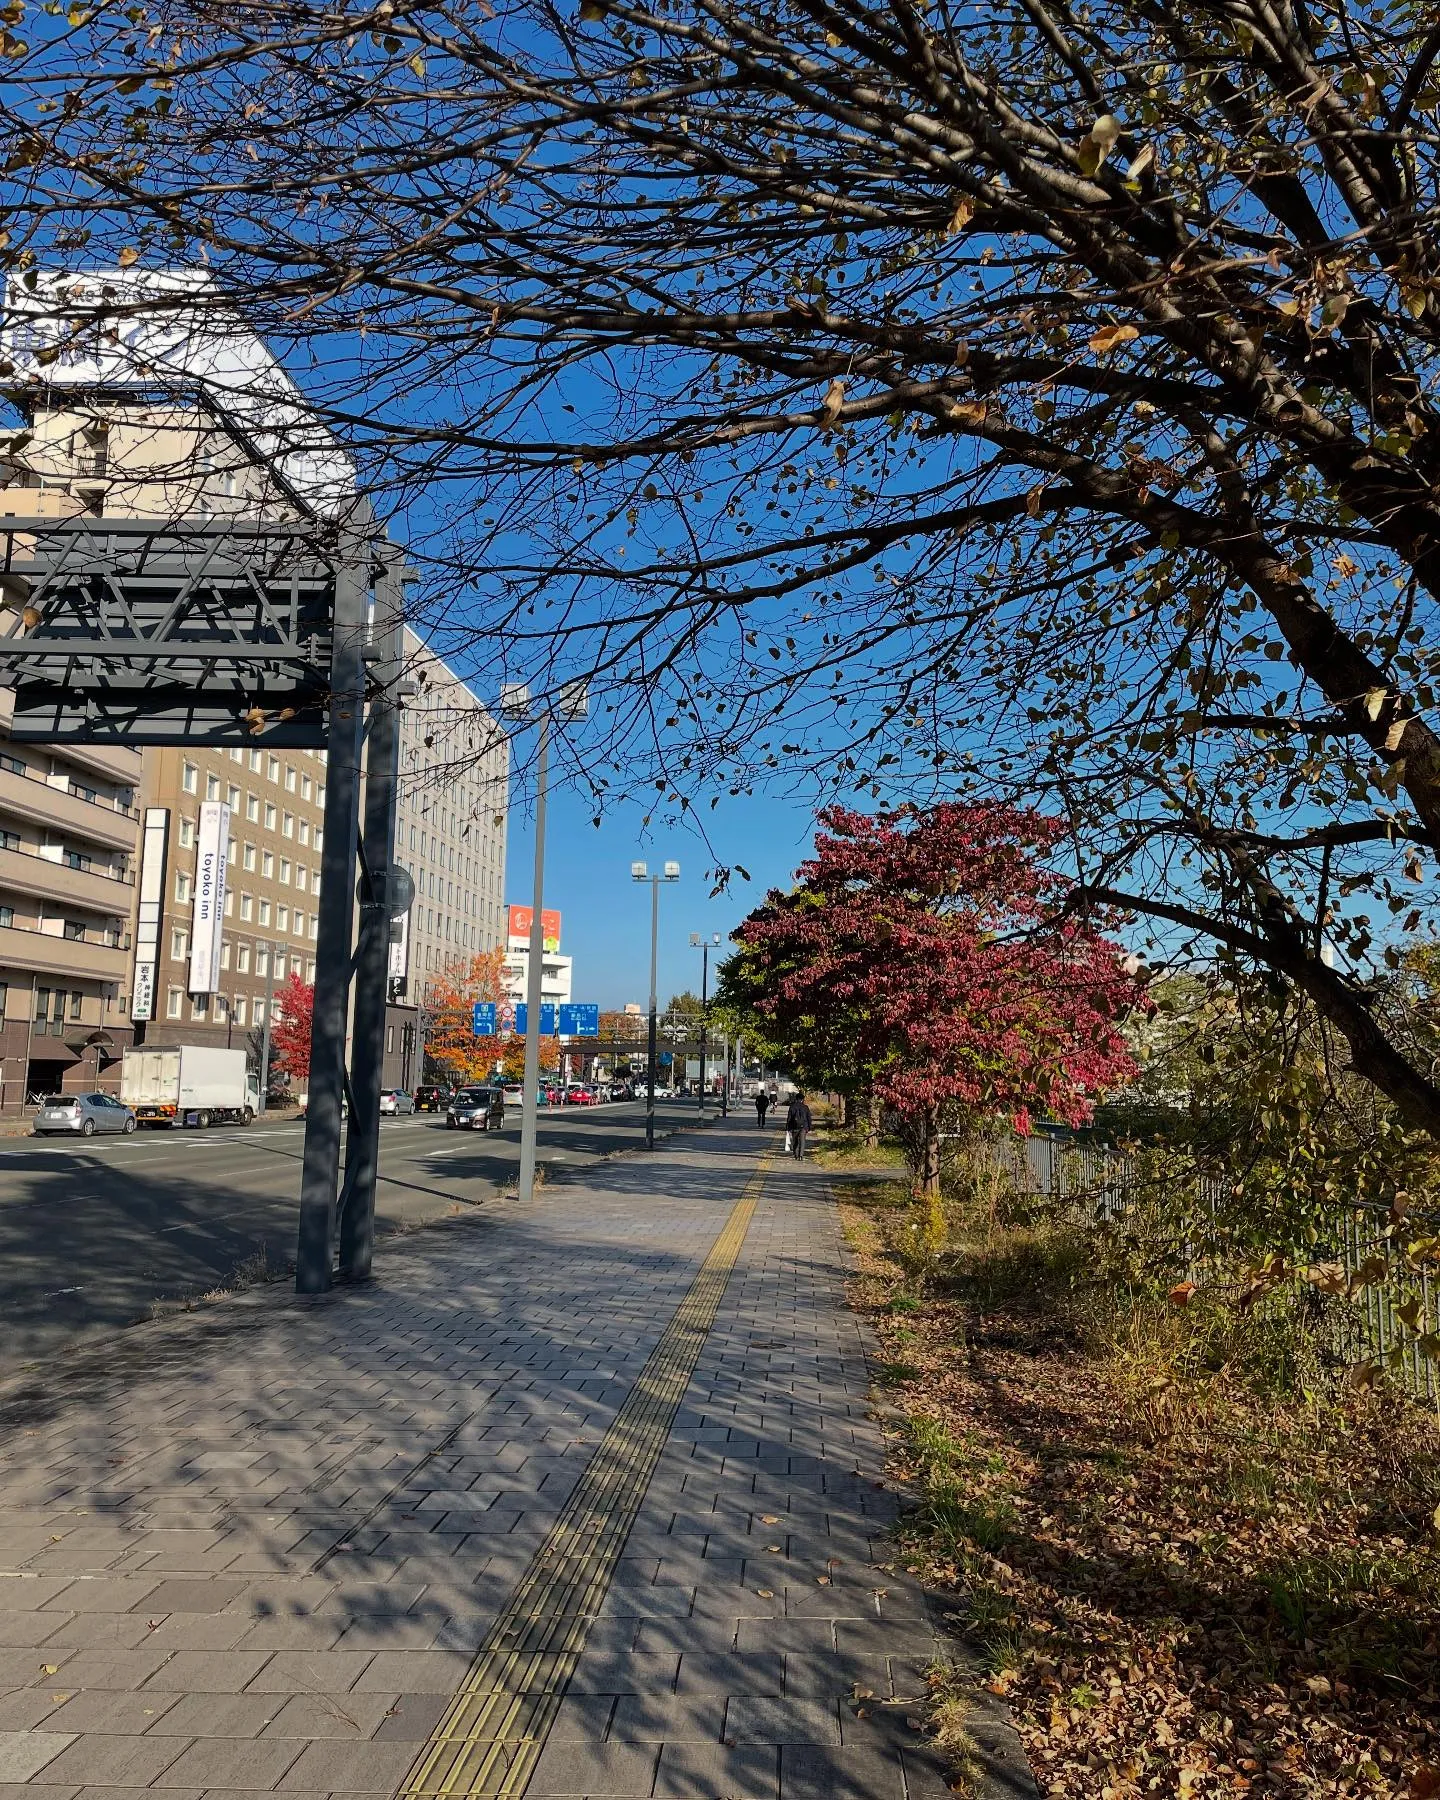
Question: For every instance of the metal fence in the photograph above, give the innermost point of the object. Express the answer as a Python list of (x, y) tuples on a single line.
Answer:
[(1104, 1185)]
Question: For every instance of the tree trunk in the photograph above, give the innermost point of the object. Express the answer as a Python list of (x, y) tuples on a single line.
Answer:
[(872, 1120)]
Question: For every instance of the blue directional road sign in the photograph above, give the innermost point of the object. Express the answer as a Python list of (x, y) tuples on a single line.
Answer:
[(483, 1024), (579, 1021), (547, 1018)]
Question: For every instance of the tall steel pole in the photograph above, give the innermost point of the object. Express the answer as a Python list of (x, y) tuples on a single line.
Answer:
[(530, 1102), (654, 1006), (704, 1018), (320, 1170), (372, 953), (265, 1027)]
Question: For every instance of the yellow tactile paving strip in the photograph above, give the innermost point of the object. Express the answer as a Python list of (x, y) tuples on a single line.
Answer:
[(493, 1731)]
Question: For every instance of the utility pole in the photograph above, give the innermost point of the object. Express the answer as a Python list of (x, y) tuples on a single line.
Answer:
[(639, 871), (702, 942)]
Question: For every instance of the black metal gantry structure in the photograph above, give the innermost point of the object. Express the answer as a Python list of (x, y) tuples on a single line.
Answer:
[(240, 632)]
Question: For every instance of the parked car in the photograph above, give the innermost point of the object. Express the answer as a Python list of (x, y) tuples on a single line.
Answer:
[(578, 1094), (430, 1098), (621, 1090), (396, 1100), (476, 1109), (82, 1115), (514, 1092)]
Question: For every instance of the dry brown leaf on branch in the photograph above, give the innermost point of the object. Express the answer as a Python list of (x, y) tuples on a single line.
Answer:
[(1109, 337)]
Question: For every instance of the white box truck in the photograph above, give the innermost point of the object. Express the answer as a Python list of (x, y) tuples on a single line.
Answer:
[(189, 1084)]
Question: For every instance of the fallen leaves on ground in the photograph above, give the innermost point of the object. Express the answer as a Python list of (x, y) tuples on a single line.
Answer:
[(1178, 1590)]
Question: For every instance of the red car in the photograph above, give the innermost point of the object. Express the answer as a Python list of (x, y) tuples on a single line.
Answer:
[(580, 1095)]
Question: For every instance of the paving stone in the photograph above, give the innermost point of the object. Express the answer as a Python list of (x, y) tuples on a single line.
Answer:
[(753, 1719), (110, 1668), (23, 1630), (809, 1772), (233, 1762), (314, 1671), (757, 1672), (98, 1710), (25, 1753), (369, 1768), (410, 1718), (717, 1772), (102, 1760), (180, 1596), (26, 1707), (571, 1769), (668, 1718), (340, 1715), (211, 1671), (218, 1715)]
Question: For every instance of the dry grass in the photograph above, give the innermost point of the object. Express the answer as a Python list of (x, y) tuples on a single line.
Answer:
[(1184, 1578)]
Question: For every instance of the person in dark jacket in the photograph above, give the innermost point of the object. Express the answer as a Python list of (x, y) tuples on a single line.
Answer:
[(798, 1121), (762, 1106)]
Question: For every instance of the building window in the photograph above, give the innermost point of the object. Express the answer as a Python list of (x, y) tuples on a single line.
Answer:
[(190, 778), (199, 1006), (272, 768), (179, 945), (319, 838), (75, 1000), (264, 912), (267, 865), (299, 923), (75, 931), (302, 876), (389, 1039), (262, 959), (42, 1006), (269, 815), (212, 787), (9, 840), (310, 973), (254, 762), (304, 831), (182, 887), (172, 1004), (290, 779), (7, 915), (12, 765), (285, 870), (187, 833), (289, 826), (231, 851), (237, 756), (307, 787), (320, 794), (252, 808), (224, 956), (232, 798), (314, 926), (247, 906), (259, 1012), (239, 1009), (250, 857), (229, 903), (282, 918)]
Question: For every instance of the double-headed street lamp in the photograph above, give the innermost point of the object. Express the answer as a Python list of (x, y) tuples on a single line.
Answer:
[(640, 871), (704, 944), (573, 702)]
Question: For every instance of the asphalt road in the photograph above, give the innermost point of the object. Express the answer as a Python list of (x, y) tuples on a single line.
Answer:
[(94, 1234)]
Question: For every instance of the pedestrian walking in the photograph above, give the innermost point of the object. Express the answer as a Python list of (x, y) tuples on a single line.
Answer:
[(762, 1106), (798, 1121)]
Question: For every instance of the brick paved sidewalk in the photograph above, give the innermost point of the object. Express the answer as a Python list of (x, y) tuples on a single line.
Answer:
[(264, 1548)]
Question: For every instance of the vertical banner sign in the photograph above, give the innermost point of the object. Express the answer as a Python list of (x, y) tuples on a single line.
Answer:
[(150, 908), (400, 948), (209, 913)]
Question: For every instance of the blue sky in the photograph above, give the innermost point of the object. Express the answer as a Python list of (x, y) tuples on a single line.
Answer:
[(606, 922)]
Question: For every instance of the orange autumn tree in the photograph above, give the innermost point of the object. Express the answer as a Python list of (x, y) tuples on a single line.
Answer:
[(513, 1060), (457, 1053)]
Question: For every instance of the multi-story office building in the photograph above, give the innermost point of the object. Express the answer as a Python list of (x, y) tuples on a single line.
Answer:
[(274, 816)]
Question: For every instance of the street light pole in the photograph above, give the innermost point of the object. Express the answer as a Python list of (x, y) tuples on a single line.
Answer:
[(534, 973), (698, 939), (639, 871), (515, 705)]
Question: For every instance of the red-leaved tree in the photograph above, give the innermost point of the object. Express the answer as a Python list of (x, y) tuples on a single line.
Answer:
[(290, 1027), (935, 945)]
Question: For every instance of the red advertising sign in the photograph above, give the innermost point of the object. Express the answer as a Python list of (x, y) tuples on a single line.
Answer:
[(520, 917)]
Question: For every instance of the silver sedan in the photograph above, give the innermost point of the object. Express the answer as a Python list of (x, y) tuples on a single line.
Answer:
[(82, 1115)]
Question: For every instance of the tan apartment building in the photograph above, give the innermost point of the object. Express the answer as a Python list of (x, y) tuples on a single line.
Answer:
[(95, 450), (68, 832)]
